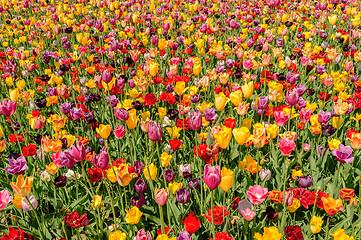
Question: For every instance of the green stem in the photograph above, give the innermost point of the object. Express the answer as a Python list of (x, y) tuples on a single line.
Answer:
[(213, 232), (36, 216), (111, 202), (161, 218)]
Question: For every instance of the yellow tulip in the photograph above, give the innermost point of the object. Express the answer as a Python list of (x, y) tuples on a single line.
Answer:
[(316, 224), (197, 68), (337, 122), (124, 177), (294, 206), (220, 101), (104, 130), (2, 145), (14, 94), (111, 174), (272, 130), (117, 235), (236, 97), (150, 172), (153, 69), (241, 135), (333, 144), (223, 137), (175, 186), (132, 120), (133, 215), (332, 19), (162, 44), (97, 202), (22, 186), (17, 201), (247, 90), (165, 159), (227, 179), (52, 169)]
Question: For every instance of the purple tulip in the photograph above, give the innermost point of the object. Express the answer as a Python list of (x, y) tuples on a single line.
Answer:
[(155, 131), (60, 181), (292, 77), (8, 107), (301, 89), (101, 160), (76, 113), (212, 176), (182, 196), (138, 166), (320, 69), (121, 113), (324, 117), (194, 183), (113, 101), (195, 119), (106, 76), (184, 235), (210, 114), (305, 180), (343, 154), (263, 102), (140, 186), (77, 153), (17, 166), (169, 175), (292, 97), (138, 201)]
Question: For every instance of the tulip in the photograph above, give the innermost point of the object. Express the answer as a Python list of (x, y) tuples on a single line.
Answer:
[(259, 137), (292, 97), (17, 166), (106, 76), (236, 97), (223, 137), (272, 130), (241, 135), (247, 90), (305, 180), (280, 118), (150, 172), (161, 196), (25, 205), (286, 146), (141, 235), (77, 153), (5, 198), (265, 174), (331, 205), (117, 235), (343, 154), (119, 132), (305, 115), (124, 177), (132, 120), (212, 176), (104, 130), (220, 101), (101, 161), (140, 186), (332, 19), (210, 114), (8, 107), (60, 181), (185, 170), (324, 117), (22, 186), (355, 141), (133, 216), (182, 196), (184, 235), (155, 131), (227, 179), (195, 119), (246, 209), (256, 194)]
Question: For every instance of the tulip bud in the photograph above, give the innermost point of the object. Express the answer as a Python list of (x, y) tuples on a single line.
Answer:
[(161, 196), (265, 174), (212, 176), (155, 131)]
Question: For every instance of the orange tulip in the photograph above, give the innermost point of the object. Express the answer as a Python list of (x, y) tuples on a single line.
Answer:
[(22, 186), (331, 205), (347, 193)]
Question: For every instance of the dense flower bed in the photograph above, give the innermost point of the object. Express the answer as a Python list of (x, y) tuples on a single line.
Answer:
[(180, 119)]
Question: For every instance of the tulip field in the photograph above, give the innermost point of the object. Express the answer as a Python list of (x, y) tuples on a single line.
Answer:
[(180, 119)]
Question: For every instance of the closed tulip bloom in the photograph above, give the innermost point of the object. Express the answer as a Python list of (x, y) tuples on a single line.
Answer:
[(220, 101), (247, 90), (223, 137), (184, 235), (332, 19), (133, 216), (265, 174), (155, 131), (7, 107), (257, 194), (241, 135), (119, 132), (305, 115), (210, 114), (236, 97), (101, 160), (150, 172), (263, 102), (104, 131), (142, 235), (292, 97), (316, 224), (161, 196), (5, 198), (286, 146), (153, 69), (195, 119), (140, 186), (281, 118), (182, 196), (165, 159), (132, 120), (227, 179), (22, 186), (106, 76), (272, 130), (212, 176), (121, 113)]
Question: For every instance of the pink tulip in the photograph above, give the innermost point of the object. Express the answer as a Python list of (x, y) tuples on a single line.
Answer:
[(281, 118), (306, 147), (8, 107), (286, 146), (305, 115), (161, 196), (212, 176), (247, 64), (119, 132), (155, 131), (257, 194), (248, 214), (5, 198)]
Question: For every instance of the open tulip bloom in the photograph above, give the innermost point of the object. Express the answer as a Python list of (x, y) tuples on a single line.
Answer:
[(180, 119)]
